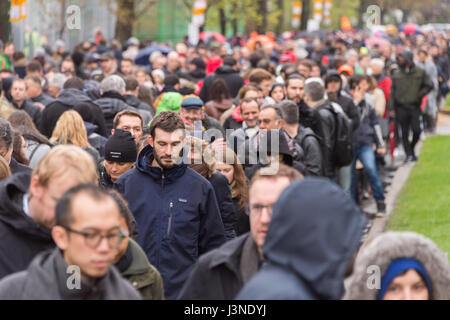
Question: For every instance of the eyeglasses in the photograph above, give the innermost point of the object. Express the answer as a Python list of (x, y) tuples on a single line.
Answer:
[(93, 239), (258, 209)]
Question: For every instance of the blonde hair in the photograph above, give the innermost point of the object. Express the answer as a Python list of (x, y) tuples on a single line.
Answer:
[(5, 171), (64, 158), (70, 129)]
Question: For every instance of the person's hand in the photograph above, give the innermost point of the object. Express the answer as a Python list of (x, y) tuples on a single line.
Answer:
[(381, 150), (39, 105), (358, 95)]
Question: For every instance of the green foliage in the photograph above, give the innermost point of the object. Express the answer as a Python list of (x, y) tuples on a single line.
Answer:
[(424, 204)]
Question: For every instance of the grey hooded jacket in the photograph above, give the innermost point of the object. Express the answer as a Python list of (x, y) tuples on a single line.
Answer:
[(389, 246)]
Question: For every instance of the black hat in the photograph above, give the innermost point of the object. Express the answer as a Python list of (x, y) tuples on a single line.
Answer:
[(121, 147)]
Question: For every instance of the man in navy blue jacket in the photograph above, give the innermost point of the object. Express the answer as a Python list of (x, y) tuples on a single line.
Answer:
[(175, 208)]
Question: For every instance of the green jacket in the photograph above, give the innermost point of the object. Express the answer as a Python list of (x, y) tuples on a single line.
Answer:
[(408, 88), (5, 62), (143, 276)]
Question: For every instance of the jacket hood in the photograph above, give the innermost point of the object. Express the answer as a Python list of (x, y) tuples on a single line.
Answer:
[(333, 74), (11, 210), (318, 241), (90, 128), (71, 97), (225, 70), (144, 165), (139, 262), (390, 246), (408, 55)]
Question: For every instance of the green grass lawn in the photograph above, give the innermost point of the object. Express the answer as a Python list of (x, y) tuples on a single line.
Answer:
[(424, 203)]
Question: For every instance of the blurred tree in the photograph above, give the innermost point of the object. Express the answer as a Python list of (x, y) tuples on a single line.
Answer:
[(4, 20)]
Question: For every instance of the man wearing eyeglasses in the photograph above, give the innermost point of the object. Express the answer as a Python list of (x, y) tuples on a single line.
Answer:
[(27, 204), (221, 273), (87, 234)]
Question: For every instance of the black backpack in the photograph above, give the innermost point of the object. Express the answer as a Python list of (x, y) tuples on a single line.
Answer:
[(343, 148)]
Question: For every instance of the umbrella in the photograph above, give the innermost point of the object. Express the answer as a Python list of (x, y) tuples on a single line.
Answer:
[(143, 56), (410, 28), (262, 39), (372, 41), (207, 35)]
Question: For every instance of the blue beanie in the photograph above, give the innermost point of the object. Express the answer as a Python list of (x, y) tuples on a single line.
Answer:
[(397, 267)]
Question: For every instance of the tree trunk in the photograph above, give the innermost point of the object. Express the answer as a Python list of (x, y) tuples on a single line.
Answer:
[(280, 25), (305, 14), (234, 22), (125, 20), (223, 21), (4, 20)]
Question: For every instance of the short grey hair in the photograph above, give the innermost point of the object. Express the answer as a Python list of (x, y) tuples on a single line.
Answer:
[(113, 83), (378, 62), (315, 91), (274, 107), (289, 111), (6, 133), (57, 80)]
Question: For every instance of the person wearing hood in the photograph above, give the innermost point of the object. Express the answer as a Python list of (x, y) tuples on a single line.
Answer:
[(227, 72), (307, 252), (221, 273), (34, 91), (120, 156), (177, 215), (72, 98), (112, 101), (27, 205), (131, 96), (410, 84), (197, 69), (80, 267), (409, 266)]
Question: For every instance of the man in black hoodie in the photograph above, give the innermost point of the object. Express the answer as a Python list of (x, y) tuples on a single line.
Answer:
[(27, 204), (21, 102), (72, 98), (308, 251), (409, 85), (229, 74)]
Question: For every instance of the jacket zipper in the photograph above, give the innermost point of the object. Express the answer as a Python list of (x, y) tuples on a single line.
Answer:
[(170, 219)]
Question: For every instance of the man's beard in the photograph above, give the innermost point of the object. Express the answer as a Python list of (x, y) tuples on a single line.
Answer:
[(175, 161), (332, 96)]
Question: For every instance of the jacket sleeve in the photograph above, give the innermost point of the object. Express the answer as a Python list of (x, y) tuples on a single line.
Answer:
[(212, 233), (376, 127), (313, 157), (353, 114), (427, 85), (226, 206)]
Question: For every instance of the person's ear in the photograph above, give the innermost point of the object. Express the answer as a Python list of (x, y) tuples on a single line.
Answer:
[(61, 237), (37, 190), (281, 123), (151, 141)]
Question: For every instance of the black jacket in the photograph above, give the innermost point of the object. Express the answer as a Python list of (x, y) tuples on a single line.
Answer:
[(18, 167), (308, 251), (72, 99), (133, 101), (328, 124), (346, 103), (225, 202), (105, 181), (366, 134), (312, 151), (97, 141), (232, 78), (243, 221), (33, 111), (221, 273), (111, 103), (211, 123), (21, 237), (309, 118), (44, 99)]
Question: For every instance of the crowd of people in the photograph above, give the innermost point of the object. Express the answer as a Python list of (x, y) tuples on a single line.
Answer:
[(206, 168)]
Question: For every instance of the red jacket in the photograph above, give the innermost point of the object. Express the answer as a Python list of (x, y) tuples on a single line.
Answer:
[(385, 85)]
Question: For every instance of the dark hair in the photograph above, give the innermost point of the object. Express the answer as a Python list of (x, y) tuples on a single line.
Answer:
[(219, 90), (34, 78), (63, 210), (254, 58), (124, 210), (126, 112), (294, 76), (307, 63), (128, 59), (355, 80), (34, 66), (17, 146), (315, 91), (229, 61), (168, 121), (21, 121), (131, 83), (145, 94), (74, 83), (289, 111), (246, 88), (275, 107), (171, 80), (6, 133)]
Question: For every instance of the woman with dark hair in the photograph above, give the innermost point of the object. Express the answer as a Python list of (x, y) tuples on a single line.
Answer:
[(19, 149), (146, 93), (37, 145), (228, 164), (277, 92), (221, 99)]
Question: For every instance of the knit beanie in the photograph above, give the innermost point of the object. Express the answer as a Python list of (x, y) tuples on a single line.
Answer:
[(121, 147)]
